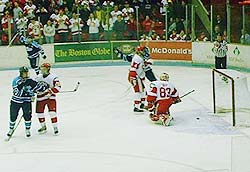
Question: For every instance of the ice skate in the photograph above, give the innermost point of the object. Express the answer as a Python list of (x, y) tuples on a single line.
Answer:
[(10, 132), (137, 110), (142, 106), (42, 130), (27, 132), (56, 130)]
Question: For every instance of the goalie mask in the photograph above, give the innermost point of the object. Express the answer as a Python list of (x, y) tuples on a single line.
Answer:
[(164, 77)]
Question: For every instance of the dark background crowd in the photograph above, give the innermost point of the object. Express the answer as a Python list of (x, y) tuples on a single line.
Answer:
[(50, 21)]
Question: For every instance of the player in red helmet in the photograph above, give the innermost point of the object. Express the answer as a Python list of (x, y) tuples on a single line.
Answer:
[(47, 98)]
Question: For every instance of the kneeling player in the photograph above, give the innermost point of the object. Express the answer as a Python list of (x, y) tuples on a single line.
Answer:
[(161, 96)]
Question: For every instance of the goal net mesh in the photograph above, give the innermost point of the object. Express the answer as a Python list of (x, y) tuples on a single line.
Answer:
[(224, 95)]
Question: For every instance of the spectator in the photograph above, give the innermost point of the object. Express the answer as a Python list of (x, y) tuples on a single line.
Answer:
[(155, 36), (16, 11), (172, 26), (132, 27), (245, 38), (219, 22), (147, 25), (107, 25), (67, 12), (49, 32), (174, 36), (5, 19), (93, 24), (126, 11), (84, 15), (76, 25), (182, 35), (43, 14), (115, 13), (119, 28), (62, 22), (181, 10), (202, 37), (35, 30), (217, 31), (144, 37), (147, 8), (179, 25), (21, 23), (29, 10)]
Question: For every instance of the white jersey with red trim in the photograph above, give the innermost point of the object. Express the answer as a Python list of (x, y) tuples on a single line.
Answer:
[(162, 90), (54, 86), (137, 65)]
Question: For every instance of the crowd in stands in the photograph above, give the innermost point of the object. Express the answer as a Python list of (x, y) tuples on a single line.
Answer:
[(49, 21)]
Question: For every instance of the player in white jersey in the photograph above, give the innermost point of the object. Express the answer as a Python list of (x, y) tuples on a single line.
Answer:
[(161, 95), (136, 78), (47, 98)]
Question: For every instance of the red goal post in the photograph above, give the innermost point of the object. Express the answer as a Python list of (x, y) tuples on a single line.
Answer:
[(233, 92)]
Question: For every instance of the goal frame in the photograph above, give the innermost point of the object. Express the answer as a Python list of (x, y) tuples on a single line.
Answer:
[(233, 92)]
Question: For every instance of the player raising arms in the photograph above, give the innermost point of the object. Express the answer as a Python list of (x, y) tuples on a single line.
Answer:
[(161, 95), (34, 51), (24, 89), (47, 98), (144, 52)]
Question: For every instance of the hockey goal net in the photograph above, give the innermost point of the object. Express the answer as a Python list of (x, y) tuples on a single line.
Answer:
[(231, 95)]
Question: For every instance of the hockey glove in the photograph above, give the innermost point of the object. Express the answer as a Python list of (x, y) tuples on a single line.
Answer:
[(177, 100)]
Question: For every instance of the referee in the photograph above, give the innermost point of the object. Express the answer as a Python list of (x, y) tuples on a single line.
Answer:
[(220, 50)]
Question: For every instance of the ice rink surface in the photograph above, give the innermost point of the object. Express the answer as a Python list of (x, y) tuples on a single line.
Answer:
[(99, 132)]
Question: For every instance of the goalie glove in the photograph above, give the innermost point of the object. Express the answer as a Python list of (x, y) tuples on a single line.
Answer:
[(176, 100)]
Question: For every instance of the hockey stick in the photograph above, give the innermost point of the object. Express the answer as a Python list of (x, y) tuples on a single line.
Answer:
[(9, 137), (187, 93), (12, 40), (70, 91)]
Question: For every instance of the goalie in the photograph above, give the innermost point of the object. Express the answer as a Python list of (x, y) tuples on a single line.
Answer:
[(34, 51), (161, 95)]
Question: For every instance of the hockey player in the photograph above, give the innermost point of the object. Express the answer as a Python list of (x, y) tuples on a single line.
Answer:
[(161, 96), (47, 98), (136, 77), (23, 93), (34, 51), (146, 57)]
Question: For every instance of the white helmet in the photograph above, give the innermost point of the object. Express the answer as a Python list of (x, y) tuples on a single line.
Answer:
[(164, 77)]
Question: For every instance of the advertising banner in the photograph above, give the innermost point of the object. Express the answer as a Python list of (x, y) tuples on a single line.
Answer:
[(82, 52), (170, 50)]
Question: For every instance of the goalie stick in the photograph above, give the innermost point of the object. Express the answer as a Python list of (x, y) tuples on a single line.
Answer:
[(9, 137), (70, 91), (187, 94)]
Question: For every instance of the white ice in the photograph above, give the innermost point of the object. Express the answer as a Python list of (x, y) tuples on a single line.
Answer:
[(99, 132)]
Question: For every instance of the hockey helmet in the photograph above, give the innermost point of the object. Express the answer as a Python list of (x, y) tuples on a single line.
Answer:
[(23, 70), (140, 48), (164, 77), (46, 65), (45, 68)]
